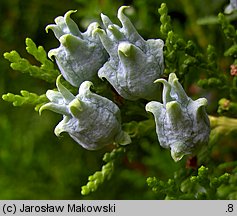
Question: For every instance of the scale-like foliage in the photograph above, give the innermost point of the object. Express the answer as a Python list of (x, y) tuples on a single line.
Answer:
[(200, 186), (99, 177), (26, 98), (45, 71)]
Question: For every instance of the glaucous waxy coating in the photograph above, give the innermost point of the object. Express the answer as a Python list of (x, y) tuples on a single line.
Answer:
[(181, 123), (134, 63), (232, 6), (90, 119), (79, 55)]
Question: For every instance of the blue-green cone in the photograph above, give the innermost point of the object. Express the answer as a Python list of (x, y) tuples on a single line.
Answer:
[(90, 119), (79, 55), (134, 63), (181, 123)]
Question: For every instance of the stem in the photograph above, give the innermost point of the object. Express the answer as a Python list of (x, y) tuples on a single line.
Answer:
[(221, 126), (226, 123)]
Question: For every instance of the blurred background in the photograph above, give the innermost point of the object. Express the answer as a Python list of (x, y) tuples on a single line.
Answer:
[(34, 163)]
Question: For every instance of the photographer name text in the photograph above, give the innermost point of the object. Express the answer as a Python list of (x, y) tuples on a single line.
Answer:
[(69, 208)]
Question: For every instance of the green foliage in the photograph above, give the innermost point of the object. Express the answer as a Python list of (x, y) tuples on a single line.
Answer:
[(228, 29), (226, 107), (165, 20), (167, 189), (26, 98), (208, 186), (181, 57), (99, 177), (200, 186), (46, 70)]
